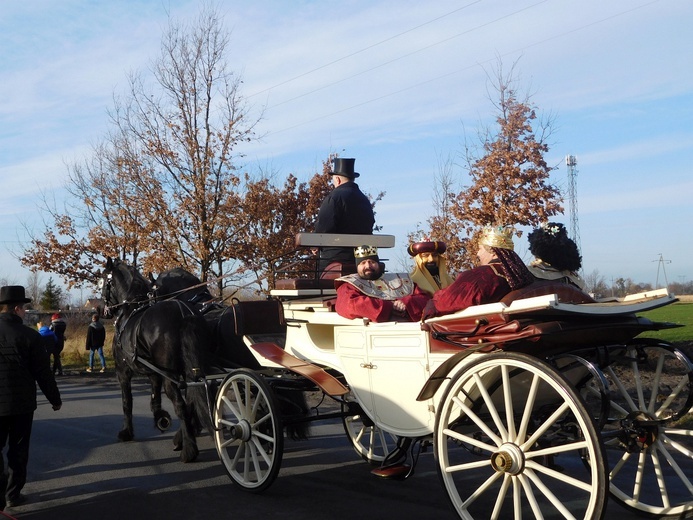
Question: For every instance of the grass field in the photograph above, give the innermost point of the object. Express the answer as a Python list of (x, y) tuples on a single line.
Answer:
[(681, 313)]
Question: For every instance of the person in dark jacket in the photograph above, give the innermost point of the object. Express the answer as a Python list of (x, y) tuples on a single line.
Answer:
[(58, 326), (345, 210), (23, 364), (96, 337)]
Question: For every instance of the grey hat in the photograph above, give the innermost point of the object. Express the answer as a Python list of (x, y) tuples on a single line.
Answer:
[(13, 294)]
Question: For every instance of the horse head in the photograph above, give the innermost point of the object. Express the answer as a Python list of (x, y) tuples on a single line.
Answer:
[(122, 286)]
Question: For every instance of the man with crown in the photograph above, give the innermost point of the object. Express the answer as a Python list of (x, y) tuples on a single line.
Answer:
[(371, 293), (430, 267), (500, 271)]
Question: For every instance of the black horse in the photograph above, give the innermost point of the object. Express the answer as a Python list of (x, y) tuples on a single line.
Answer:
[(162, 340), (228, 350)]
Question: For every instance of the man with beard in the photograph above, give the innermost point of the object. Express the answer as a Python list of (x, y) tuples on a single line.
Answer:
[(430, 268), (378, 296)]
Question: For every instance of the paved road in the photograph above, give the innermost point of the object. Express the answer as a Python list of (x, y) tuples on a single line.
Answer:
[(78, 471)]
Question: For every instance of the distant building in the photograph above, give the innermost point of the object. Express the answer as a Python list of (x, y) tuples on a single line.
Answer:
[(94, 304)]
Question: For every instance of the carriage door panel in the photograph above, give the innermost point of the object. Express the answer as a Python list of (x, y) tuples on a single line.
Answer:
[(350, 345), (398, 370)]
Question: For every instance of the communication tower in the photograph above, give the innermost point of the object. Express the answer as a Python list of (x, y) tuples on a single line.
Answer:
[(571, 162)]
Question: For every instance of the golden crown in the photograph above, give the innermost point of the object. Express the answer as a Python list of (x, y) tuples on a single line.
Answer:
[(498, 236), (365, 251)]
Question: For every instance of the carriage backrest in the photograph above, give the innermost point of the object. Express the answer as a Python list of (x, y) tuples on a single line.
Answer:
[(566, 293)]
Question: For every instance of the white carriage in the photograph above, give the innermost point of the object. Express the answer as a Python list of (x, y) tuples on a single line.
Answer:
[(538, 406)]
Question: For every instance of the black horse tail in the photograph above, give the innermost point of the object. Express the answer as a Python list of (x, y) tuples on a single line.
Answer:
[(196, 339)]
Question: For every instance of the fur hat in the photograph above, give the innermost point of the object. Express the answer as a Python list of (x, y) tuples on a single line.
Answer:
[(344, 167), (551, 244), (13, 294)]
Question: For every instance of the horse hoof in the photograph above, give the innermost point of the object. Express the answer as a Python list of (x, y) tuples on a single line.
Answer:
[(178, 441), (189, 454), (125, 436)]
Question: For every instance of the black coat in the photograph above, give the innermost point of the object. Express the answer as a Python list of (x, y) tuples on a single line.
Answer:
[(96, 335), (345, 210), (23, 363)]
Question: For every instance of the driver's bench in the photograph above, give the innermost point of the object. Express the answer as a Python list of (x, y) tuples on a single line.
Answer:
[(308, 284)]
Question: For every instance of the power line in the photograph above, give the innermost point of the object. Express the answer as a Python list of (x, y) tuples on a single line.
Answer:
[(420, 49), (416, 85), (363, 50)]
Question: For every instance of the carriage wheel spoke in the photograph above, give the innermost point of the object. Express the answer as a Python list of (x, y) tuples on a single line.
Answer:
[(672, 462), (477, 420), (622, 389), (526, 486), (497, 421), (529, 406), (498, 504)]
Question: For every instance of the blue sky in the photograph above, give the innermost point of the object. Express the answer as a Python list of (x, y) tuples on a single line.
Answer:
[(395, 84)]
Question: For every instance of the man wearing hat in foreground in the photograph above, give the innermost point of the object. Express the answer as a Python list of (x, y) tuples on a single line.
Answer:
[(500, 271), (23, 363), (430, 268), (371, 293), (345, 210)]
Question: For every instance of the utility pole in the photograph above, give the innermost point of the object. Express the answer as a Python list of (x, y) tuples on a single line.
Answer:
[(660, 263)]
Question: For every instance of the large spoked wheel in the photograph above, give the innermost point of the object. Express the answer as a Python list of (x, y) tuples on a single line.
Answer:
[(370, 442), (513, 439), (649, 437), (249, 436)]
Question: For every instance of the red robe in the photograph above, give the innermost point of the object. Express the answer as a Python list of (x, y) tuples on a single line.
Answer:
[(474, 287), (352, 303)]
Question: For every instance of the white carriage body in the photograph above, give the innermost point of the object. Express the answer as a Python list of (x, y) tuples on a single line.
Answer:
[(387, 364)]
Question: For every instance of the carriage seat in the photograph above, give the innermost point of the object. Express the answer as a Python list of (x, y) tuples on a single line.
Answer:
[(566, 293)]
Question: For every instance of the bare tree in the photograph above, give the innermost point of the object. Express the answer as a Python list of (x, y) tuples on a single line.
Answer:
[(595, 284)]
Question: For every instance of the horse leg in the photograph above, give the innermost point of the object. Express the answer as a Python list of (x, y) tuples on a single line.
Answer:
[(162, 419), (125, 379), (185, 437)]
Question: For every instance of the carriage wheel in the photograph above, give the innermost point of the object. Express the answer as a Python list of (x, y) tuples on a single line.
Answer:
[(249, 436), (370, 442), (513, 439), (650, 434)]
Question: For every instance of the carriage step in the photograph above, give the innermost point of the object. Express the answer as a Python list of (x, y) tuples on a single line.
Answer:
[(327, 383), (393, 472)]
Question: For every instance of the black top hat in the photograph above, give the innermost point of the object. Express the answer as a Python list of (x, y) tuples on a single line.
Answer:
[(13, 294), (344, 167)]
